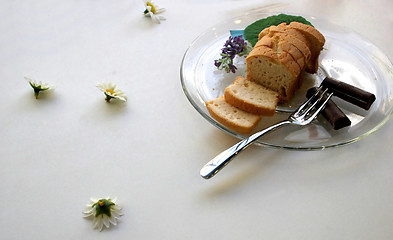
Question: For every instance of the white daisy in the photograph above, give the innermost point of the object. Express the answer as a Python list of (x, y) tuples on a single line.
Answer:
[(111, 91), (104, 212), (152, 10), (38, 86)]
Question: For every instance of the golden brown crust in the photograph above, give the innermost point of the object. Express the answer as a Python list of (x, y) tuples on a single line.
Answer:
[(309, 30), (283, 28), (297, 34), (316, 40), (263, 51), (300, 45), (294, 37)]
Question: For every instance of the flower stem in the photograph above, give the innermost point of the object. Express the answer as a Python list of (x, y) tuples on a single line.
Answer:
[(36, 93), (108, 98)]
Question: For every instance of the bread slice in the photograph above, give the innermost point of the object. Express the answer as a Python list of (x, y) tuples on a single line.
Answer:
[(316, 41), (274, 70), (251, 97), (232, 117)]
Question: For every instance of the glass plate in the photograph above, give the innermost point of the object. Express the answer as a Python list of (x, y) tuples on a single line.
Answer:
[(347, 56)]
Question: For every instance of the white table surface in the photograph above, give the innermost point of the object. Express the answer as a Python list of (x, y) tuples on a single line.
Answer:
[(70, 145)]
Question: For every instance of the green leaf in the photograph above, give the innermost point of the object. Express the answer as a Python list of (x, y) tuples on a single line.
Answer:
[(251, 33)]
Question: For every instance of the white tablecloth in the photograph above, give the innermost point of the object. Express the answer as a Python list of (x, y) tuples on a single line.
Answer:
[(70, 145)]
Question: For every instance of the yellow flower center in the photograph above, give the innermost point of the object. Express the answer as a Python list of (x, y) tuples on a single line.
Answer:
[(153, 8), (110, 91), (101, 203)]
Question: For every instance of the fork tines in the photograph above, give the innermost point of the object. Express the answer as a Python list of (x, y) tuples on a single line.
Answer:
[(314, 105)]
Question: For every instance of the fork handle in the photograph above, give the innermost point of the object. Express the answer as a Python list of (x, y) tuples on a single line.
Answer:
[(220, 161)]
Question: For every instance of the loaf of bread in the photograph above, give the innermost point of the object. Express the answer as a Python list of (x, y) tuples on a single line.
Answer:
[(282, 54), (251, 97), (232, 117)]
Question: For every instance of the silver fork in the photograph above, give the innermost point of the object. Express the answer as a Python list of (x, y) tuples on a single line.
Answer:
[(304, 115)]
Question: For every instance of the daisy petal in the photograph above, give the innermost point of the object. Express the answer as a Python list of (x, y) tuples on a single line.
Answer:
[(88, 214), (113, 221), (160, 10), (96, 222), (106, 221), (101, 226)]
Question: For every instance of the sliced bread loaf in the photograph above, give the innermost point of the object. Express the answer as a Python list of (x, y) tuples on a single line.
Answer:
[(316, 41), (251, 97), (232, 117)]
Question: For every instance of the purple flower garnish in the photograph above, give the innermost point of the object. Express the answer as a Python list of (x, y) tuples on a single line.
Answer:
[(232, 47)]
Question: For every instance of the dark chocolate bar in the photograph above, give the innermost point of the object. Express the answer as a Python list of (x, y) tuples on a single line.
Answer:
[(332, 112), (349, 93)]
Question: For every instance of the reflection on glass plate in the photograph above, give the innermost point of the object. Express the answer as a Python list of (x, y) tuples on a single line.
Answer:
[(346, 56)]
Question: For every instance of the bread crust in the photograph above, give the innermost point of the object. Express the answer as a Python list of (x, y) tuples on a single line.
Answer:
[(298, 44), (316, 42), (264, 51), (283, 28), (309, 30), (307, 34), (281, 43)]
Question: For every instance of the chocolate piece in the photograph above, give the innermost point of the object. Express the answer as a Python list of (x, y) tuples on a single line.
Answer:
[(331, 112), (349, 93)]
